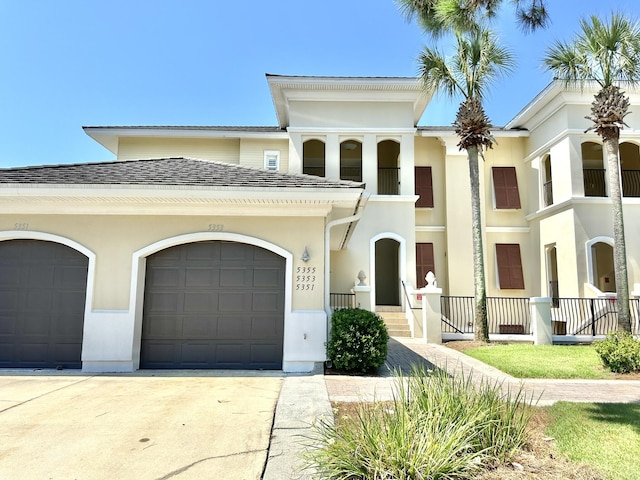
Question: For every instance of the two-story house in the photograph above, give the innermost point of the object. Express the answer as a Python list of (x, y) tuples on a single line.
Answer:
[(220, 247)]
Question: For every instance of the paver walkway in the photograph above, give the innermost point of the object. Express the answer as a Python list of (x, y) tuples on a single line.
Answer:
[(404, 352)]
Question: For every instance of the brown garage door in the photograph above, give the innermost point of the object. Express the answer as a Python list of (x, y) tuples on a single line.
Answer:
[(213, 305), (42, 299)]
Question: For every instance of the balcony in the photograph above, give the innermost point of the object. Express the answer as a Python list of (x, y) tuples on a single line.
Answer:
[(631, 183), (594, 182)]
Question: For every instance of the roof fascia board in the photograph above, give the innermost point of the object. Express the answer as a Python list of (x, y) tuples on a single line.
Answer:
[(108, 136)]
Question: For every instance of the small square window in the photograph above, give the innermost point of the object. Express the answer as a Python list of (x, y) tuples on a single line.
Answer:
[(272, 160)]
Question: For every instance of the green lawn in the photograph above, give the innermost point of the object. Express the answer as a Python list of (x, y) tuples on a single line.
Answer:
[(542, 361), (606, 436)]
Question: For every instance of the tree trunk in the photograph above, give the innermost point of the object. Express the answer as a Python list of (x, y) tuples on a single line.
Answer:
[(480, 326), (611, 149)]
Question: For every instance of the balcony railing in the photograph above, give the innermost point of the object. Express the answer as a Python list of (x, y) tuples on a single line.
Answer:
[(351, 173), (594, 183), (388, 181), (317, 171), (547, 191), (631, 183)]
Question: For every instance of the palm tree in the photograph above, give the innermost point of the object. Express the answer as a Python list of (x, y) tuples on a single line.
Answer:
[(479, 60), (437, 17), (607, 53)]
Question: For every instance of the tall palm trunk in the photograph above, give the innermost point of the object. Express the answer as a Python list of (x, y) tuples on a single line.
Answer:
[(480, 329), (619, 249)]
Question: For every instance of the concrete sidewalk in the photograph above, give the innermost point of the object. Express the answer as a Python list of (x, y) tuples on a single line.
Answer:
[(305, 399)]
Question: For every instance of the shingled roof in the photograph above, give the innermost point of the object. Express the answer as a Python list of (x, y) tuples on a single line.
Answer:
[(165, 171)]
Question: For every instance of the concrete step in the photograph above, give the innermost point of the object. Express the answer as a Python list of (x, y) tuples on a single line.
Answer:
[(396, 322)]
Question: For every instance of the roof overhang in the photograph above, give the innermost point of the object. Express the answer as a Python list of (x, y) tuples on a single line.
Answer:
[(172, 200), (108, 137), (285, 89)]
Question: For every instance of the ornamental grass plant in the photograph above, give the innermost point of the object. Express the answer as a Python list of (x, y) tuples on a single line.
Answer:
[(437, 427)]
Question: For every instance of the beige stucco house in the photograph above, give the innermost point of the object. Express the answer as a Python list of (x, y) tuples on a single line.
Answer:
[(221, 247)]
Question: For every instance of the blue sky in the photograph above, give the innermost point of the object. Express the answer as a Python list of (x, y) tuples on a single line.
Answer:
[(69, 63)]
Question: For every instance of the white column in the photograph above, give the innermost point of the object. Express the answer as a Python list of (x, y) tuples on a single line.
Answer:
[(332, 157), (540, 311), (370, 162), (407, 162), (295, 153)]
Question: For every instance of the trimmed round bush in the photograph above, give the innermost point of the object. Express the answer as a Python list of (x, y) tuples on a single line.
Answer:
[(619, 352), (358, 340)]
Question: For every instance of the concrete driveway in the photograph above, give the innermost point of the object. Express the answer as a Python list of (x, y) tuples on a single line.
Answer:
[(160, 425)]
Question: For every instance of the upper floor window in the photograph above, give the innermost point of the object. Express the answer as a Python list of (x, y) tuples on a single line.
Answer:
[(505, 187), (351, 160), (509, 266), (388, 170), (313, 158), (547, 182), (424, 187), (272, 160)]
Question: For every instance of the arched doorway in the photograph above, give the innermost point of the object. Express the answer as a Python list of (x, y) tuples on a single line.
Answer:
[(387, 268), (213, 304), (603, 267), (43, 288)]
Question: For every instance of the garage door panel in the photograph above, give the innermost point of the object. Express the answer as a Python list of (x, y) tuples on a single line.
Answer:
[(233, 277), (71, 277), (195, 355), (40, 276), (66, 354), (216, 321), (163, 277), (9, 301), (36, 324), (232, 302), (9, 275), (197, 327), (70, 303), (230, 328), (267, 278), (265, 327), (7, 326), (197, 302), (34, 353), (163, 302)]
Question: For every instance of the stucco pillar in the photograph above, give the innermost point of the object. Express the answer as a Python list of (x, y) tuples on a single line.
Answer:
[(295, 153), (332, 157), (407, 172), (540, 312), (370, 162), (363, 297), (431, 311)]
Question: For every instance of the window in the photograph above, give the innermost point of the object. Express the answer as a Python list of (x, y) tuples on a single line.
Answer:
[(505, 186), (424, 262), (509, 266), (424, 187), (272, 160)]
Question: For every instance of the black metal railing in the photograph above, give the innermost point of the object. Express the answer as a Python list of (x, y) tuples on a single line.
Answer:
[(631, 183), (504, 315), (585, 316), (508, 315), (388, 181), (342, 300), (457, 314), (594, 182), (554, 293), (547, 190)]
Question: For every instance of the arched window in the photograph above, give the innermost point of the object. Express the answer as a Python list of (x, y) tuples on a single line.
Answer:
[(313, 158), (388, 168), (630, 169), (593, 171), (351, 160)]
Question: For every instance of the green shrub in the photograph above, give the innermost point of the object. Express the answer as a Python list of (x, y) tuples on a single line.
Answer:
[(619, 352), (438, 427), (358, 340)]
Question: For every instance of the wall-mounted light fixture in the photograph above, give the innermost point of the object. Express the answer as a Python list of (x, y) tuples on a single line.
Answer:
[(305, 255)]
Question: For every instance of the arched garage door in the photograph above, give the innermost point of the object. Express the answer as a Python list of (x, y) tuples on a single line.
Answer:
[(42, 302), (213, 304)]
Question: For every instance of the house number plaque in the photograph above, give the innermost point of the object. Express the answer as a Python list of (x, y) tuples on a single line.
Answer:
[(306, 278)]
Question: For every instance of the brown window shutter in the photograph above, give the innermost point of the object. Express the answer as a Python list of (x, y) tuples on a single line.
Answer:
[(509, 266), (505, 186), (424, 262), (424, 187)]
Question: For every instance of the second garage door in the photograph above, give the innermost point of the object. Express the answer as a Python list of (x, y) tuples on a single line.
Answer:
[(213, 305)]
